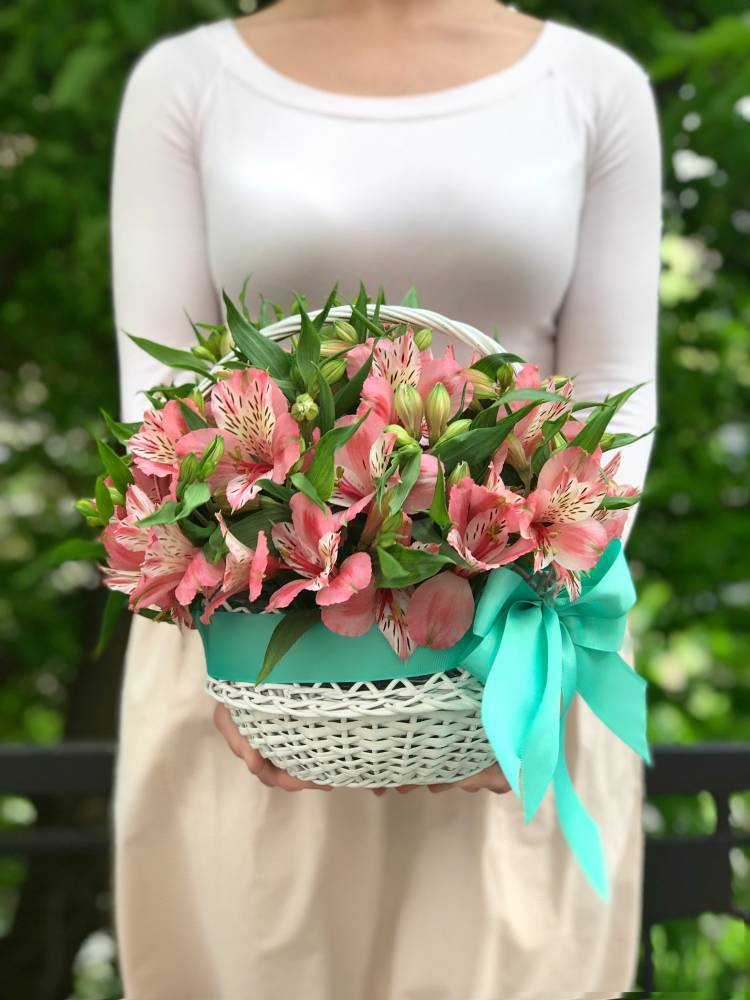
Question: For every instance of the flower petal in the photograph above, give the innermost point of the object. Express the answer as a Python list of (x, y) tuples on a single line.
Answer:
[(441, 610), (353, 618), (355, 573)]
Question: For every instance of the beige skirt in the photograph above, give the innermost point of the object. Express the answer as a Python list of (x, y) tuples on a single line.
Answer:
[(228, 890)]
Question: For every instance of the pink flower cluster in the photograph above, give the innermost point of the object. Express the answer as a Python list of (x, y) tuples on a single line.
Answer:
[(327, 554)]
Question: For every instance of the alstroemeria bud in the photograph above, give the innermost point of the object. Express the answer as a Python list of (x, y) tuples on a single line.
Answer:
[(203, 352), (333, 370), (346, 331), (437, 409), (505, 377), (87, 508), (423, 338), (454, 429), (197, 397), (328, 332), (410, 409), (117, 497), (403, 438), (329, 348), (516, 457), (304, 408), (211, 457), (226, 342), (189, 468), (460, 471), (484, 387)]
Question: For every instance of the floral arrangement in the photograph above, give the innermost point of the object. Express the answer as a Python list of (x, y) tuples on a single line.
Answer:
[(352, 476)]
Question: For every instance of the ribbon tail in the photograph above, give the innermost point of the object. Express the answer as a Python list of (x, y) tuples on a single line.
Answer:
[(578, 827), (617, 694), (540, 751)]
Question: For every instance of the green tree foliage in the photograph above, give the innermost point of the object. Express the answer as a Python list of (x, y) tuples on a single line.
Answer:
[(61, 78)]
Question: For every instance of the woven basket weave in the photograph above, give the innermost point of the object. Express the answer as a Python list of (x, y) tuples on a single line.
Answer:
[(407, 731)]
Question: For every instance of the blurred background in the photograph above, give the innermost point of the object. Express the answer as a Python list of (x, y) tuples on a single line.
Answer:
[(61, 78)]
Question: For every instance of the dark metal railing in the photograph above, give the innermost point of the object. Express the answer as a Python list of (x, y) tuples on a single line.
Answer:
[(684, 876)]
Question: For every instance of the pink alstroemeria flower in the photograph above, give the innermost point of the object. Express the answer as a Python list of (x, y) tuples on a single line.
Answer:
[(383, 607), (154, 446), (244, 569), (309, 545), (436, 613), (400, 362), (125, 541), (261, 438), (519, 447), (360, 461), (483, 521), (558, 516), (614, 521), (173, 572)]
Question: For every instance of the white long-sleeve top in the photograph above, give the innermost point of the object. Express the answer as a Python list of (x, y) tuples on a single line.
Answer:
[(527, 203)]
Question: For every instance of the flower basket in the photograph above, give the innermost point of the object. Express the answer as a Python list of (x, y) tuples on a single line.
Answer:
[(395, 726), (403, 568)]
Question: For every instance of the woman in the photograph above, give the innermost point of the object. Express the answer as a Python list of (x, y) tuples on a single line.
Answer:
[(510, 168)]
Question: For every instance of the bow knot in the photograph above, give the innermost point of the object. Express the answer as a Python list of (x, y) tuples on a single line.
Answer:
[(533, 657)]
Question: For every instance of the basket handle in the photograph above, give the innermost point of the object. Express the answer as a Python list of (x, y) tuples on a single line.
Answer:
[(461, 332), (452, 328)]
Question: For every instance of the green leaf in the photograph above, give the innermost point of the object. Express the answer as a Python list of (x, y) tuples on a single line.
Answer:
[(409, 473), (411, 299), (171, 357), (619, 503), (198, 534), (120, 432), (276, 490), (248, 528), (116, 468), (269, 312), (260, 351), (292, 627), (326, 404), (358, 318), (303, 484), (439, 510), (215, 547), (104, 505), (321, 471), (196, 494), (378, 304), (194, 421), (490, 364), (591, 434), (329, 303), (478, 445), (400, 566), (168, 513), (73, 549), (367, 323), (349, 395), (307, 354), (242, 298), (540, 395), (116, 603), (609, 442)]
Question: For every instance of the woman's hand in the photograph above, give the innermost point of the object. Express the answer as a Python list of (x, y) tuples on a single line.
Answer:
[(263, 769), (492, 778)]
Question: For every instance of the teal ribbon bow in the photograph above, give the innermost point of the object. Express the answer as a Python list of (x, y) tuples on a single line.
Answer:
[(533, 656)]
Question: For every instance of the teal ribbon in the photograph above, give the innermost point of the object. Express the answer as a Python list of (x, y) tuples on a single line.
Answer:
[(533, 657)]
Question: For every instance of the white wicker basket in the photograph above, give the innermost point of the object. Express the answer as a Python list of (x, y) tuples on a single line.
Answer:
[(419, 730)]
